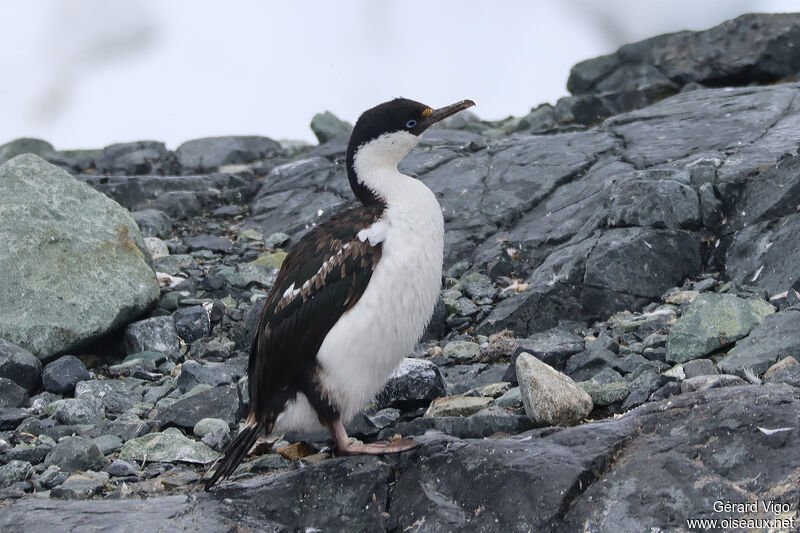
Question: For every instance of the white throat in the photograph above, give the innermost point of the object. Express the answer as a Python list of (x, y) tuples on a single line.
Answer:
[(375, 164)]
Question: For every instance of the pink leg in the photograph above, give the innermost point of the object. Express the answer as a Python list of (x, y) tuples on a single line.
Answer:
[(345, 446)]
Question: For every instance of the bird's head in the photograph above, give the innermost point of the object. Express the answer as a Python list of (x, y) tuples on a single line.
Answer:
[(386, 133)]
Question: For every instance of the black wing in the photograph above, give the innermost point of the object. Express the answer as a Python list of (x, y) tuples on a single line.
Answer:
[(323, 276)]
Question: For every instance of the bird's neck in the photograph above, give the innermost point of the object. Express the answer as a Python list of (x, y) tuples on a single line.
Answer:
[(372, 168)]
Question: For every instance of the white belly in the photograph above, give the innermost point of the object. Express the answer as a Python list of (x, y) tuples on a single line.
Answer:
[(370, 340)]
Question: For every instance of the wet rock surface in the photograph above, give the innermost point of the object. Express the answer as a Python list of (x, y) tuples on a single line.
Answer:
[(648, 263)]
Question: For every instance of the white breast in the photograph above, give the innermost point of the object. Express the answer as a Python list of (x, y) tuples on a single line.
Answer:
[(370, 340)]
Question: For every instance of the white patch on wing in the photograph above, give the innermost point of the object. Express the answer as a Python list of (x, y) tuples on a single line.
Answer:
[(288, 291), (375, 234)]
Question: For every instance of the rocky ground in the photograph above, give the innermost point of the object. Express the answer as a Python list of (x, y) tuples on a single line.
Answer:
[(615, 348)]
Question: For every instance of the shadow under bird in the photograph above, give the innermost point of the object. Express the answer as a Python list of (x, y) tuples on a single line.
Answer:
[(353, 295)]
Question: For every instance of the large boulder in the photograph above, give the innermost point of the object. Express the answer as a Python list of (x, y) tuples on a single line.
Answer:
[(73, 261)]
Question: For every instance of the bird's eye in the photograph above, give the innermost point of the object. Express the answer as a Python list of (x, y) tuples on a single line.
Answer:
[(411, 123)]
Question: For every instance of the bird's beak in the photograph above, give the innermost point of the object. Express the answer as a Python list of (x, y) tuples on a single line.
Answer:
[(444, 112)]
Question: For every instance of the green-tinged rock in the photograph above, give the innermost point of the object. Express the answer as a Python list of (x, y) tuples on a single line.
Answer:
[(244, 275), (711, 322), (175, 264), (511, 399), (461, 350), (276, 239), (457, 406), (327, 126), (778, 336), (605, 393), (25, 146), (14, 471), (251, 235), (270, 260), (169, 446), (73, 261)]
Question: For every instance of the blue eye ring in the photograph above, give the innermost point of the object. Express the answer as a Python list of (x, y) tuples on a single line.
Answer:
[(411, 123)]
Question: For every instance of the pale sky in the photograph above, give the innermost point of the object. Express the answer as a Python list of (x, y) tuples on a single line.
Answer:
[(88, 73)]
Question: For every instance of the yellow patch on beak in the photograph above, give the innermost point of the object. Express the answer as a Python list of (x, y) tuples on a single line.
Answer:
[(427, 111)]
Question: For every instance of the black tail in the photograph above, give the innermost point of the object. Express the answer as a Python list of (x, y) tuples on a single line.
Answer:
[(234, 453)]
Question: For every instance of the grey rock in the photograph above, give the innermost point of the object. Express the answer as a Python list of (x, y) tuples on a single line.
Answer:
[(511, 399), (115, 395), (157, 334), (192, 323), (553, 347), (605, 393), (666, 201), (484, 423), (14, 471), (51, 477), (12, 395), (461, 351), (120, 468), (246, 275), (125, 427), (713, 321), (461, 378), (641, 387), (140, 157), (550, 397), (584, 365), (327, 126), (710, 382), (733, 53), (385, 417), (757, 267), (414, 383), (175, 264), (209, 242), (25, 145), (83, 410), (153, 223), (219, 439), (775, 338), (476, 285), (699, 367), (10, 417), (48, 218), (19, 365), (201, 155), (74, 454), (80, 486), (178, 204), (219, 402), (32, 454), (788, 374), (667, 390), (538, 120), (457, 406), (61, 376), (204, 426), (108, 444), (194, 373), (168, 446)]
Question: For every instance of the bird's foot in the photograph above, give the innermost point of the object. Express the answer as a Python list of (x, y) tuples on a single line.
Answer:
[(376, 448)]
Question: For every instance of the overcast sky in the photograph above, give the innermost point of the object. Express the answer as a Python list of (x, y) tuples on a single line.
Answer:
[(88, 73)]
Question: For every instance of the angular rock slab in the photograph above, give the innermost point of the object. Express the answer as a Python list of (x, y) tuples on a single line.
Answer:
[(73, 261), (711, 322)]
